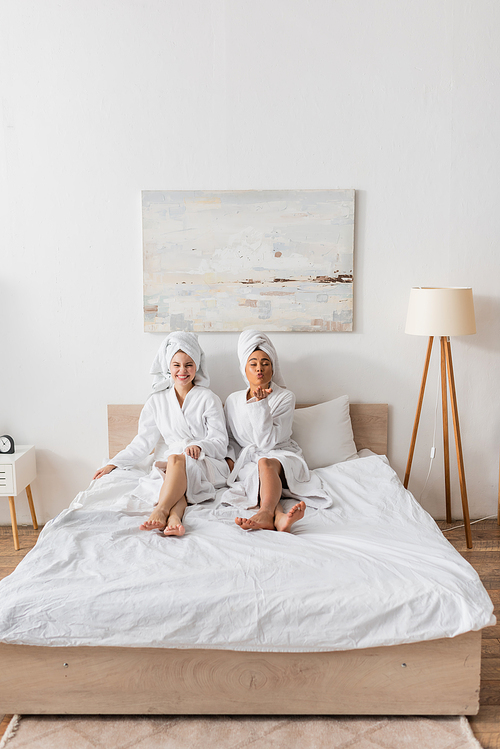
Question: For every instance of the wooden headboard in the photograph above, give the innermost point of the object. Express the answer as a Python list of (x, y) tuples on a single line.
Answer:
[(369, 424)]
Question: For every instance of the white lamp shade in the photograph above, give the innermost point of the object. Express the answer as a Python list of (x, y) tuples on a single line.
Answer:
[(441, 312)]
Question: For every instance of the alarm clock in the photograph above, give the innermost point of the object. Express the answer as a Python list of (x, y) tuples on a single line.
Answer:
[(7, 446)]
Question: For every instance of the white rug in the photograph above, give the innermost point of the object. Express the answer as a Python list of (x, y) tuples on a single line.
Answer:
[(231, 732)]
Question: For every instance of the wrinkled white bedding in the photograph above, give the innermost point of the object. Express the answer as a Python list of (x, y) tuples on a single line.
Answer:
[(372, 570)]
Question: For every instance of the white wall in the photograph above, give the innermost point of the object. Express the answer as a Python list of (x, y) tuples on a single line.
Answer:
[(104, 98)]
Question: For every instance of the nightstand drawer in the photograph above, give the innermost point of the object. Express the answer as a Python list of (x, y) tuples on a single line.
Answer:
[(6, 479)]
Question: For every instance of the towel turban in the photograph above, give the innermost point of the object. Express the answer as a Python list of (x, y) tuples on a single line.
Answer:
[(174, 342), (248, 342)]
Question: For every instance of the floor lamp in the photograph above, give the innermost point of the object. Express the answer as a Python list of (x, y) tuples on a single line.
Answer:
[(442, 312)]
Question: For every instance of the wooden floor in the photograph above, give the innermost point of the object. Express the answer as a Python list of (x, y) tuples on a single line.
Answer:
[(484, 557)]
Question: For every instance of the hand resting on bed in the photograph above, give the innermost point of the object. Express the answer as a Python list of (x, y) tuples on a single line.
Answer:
[(194, 451), (103, 471)]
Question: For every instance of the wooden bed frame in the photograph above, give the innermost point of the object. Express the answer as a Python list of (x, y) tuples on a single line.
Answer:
[(435, 677)]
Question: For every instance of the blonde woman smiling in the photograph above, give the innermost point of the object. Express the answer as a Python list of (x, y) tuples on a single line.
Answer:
[(185, 420)]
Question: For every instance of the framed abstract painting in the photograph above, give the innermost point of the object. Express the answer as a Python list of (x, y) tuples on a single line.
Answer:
[(277, 260)]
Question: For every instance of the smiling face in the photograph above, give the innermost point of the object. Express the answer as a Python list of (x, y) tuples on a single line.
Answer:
[(183, 370), (259, 370)]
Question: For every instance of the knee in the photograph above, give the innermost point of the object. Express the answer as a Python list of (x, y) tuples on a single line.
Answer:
[(269, 464), (176, 460)]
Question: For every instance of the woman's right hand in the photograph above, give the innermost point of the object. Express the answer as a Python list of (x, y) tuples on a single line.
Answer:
[(103, 471), (261, 393)]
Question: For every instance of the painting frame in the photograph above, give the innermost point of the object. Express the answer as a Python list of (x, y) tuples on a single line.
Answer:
[(226, 260)]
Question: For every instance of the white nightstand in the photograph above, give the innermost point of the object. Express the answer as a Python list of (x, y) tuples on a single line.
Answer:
[(17, 471)]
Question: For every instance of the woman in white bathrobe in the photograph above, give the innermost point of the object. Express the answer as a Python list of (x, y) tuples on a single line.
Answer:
[(266, 463), (185, 421)]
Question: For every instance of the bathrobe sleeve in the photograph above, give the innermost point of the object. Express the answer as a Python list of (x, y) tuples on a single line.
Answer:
[(146, 439), (214, 443), (233, 448), (271, 428)]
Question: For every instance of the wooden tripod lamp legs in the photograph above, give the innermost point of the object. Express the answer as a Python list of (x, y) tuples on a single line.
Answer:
[(458, 443), (446, 440), (417, 415), (446, 373)]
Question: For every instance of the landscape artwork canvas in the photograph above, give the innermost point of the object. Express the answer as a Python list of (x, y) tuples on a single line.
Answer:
[(276, 260)]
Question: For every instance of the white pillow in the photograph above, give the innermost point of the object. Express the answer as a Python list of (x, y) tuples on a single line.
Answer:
[(324, 432)]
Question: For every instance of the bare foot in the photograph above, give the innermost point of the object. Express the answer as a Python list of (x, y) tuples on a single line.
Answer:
[(156, 521), (283, 522), (261, 521), (174, 530)]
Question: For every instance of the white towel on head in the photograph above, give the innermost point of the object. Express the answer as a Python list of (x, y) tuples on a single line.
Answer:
[(248, 342), (174, 342)]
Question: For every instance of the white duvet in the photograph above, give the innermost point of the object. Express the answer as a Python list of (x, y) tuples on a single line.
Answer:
[(372, 570)]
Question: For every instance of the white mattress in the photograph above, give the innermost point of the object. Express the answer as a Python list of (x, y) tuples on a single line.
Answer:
[(372, 570)]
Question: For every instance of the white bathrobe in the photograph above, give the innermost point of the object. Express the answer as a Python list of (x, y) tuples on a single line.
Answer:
[(263, 429), (164, 424)]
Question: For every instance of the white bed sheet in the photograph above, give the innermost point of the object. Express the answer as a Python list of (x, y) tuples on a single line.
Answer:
[(372, 570)]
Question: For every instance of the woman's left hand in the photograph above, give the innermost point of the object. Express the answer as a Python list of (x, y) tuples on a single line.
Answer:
[(193, 451)]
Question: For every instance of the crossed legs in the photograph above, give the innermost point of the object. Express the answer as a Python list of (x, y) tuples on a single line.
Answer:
[(271, 515), (168, 513)]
